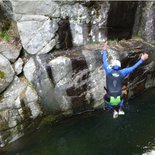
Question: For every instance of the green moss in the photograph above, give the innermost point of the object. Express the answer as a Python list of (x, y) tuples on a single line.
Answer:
[(138, 36), (5, 36), (2, 74), (46, 120), (31, 86), (94, 42)]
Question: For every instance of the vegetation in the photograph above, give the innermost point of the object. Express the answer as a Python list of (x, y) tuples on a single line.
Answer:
[(2, 74), (47, 119), (138, 36), (5, 35)]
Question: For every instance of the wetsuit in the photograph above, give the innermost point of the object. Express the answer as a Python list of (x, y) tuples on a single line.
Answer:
[(114, 79)]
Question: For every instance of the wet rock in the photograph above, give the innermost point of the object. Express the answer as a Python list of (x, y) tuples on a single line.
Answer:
[(150, 81), (18, 106), (43, 84), (96, 77), (11, 94), (143, 77), (10, 116), (62, 75), (32, 102)]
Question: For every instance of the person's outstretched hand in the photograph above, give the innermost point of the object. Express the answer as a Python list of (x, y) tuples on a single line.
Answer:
[(144, 56), (105, 47)]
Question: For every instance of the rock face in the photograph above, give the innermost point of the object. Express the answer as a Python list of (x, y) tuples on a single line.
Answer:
[(89, 22), (144, 22), (18, 103), (11, 52), (70, 79), (38, 25), (76, 80), (120, 21), (37, 33), (36, 79), (6, 73)]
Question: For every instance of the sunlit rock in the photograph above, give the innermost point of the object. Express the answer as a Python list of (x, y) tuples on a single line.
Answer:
[(37, 33), (99, 17), (79, 19), (12, 93), (61, 68), (10, 51), (18, 66), (35, 27), (48, 7), (29, 69), (6, 73)]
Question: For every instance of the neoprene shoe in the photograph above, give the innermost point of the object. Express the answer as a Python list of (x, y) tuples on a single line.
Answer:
[(115, 114), (121, 112)]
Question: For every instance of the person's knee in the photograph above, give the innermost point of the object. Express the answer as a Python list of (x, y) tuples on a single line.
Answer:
[(121, 104)]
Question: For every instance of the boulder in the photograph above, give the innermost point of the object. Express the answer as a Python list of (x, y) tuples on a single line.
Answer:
[(18, 106), (29, 69), (37, 33), (18, 66), (48, 8), (6, 73), (10, 51)]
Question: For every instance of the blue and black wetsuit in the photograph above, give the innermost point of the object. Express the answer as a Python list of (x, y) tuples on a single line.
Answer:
[(114, 80)]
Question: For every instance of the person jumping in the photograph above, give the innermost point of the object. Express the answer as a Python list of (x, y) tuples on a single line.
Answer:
[(114, 78)]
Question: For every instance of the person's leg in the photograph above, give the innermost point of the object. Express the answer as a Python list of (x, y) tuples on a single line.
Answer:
[(114, 109), (121, 104), (120, 111), (109, 106), (107, 100)]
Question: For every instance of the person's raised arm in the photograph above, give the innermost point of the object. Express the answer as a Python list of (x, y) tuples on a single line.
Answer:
[(129, 70), (104, 59)]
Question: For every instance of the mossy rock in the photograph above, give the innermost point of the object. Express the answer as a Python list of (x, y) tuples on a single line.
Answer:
[(4, 35), (47, 119), (3, 125), (2, 74)]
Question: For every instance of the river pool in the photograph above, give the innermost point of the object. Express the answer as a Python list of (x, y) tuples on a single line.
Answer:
[(97, 133)]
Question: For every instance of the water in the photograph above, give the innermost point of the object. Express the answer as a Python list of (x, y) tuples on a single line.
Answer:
[(97, 134)]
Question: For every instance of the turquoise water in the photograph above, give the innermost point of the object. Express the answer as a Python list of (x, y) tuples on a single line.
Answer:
[(97, 133)]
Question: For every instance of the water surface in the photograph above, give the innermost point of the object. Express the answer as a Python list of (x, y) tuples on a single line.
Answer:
[(97, 134)]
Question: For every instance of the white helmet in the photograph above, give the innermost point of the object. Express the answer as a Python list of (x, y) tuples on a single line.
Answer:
[(116, 63)]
